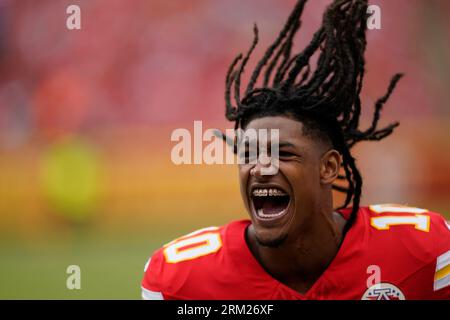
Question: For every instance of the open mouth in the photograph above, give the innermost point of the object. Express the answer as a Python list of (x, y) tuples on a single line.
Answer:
[(270, 203)]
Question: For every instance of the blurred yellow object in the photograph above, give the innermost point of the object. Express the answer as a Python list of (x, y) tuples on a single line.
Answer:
[(69, 177)]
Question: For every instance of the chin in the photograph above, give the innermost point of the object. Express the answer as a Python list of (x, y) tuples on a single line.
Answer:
[(268, 238)]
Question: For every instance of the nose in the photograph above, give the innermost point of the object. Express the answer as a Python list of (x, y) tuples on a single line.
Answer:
[(263, 168)]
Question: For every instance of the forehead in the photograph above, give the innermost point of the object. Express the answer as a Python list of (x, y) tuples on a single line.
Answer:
[(289, 130)]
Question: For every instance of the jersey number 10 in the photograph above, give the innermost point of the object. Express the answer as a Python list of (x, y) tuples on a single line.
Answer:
[(192, 247)]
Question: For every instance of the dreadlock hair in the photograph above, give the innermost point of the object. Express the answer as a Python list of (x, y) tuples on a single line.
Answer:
[(326, 100)]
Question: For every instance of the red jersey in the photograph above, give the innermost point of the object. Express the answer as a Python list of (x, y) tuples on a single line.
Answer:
[(390, 252)]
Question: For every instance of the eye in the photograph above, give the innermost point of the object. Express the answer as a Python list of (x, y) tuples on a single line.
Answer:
[(285, 154)]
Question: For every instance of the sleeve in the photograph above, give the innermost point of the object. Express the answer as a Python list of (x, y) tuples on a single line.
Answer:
[(441, 264), (441, 281), (151, 285)]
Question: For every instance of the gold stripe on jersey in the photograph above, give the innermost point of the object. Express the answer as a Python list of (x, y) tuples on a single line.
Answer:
[(442, 274)]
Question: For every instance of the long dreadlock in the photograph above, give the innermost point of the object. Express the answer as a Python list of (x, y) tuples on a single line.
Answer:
[(326, 100)]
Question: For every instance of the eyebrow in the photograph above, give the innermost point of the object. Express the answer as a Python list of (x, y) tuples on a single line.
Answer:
[(285, 144), (300, 150)]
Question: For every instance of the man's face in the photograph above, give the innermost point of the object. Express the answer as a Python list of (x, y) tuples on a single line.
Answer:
[(279, 204)]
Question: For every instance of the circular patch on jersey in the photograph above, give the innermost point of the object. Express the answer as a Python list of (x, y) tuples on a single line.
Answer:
[(383, 291)]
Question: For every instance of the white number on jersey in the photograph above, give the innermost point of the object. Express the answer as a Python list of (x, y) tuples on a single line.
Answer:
[(192, 247), (419, 221)]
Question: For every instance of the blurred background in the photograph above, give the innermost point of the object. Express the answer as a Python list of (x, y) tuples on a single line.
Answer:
[(86, 116)]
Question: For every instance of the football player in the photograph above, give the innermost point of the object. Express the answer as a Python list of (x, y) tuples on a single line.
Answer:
[(296, 245)]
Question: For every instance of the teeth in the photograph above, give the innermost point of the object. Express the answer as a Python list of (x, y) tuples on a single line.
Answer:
[(261, 214), (272, 192)]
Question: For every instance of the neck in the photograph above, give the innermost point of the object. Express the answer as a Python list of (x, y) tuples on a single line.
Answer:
[(304, 256)]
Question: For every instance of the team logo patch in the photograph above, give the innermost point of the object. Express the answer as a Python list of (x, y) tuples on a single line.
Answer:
[(383, 291)]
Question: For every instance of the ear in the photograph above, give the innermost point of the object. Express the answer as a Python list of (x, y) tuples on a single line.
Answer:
[(330, 166)]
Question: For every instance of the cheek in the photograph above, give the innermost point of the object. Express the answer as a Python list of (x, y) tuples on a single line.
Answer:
[(304, 178), (244, 174)]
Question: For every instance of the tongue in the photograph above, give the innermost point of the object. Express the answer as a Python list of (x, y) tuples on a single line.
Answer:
[(275, 205)]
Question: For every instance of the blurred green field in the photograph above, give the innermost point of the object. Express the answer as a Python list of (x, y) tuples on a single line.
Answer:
[(111, 260), (109, 269), (111, 264)]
